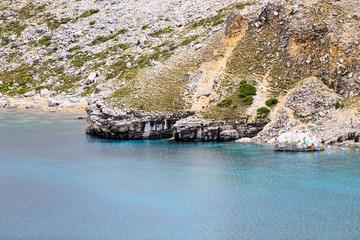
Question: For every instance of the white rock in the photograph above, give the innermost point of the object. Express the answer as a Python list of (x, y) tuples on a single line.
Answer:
[(44, 92), (13, 37), (198, 46), (154, 63), (244, 140), (29, 94), (91, 78)]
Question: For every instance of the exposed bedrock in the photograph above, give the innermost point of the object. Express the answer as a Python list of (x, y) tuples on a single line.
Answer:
[(203, 130), (108, 122)]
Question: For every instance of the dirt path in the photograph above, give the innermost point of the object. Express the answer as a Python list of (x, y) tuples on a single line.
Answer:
[(204, 92)]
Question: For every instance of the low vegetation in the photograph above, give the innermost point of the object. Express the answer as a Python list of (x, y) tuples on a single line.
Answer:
[(271, 102), (262, 112), (89, 13), (160, 32), (246, 89)]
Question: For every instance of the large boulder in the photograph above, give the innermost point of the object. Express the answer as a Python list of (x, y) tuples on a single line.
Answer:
[(233, 23), (91, 78), (298, 141)]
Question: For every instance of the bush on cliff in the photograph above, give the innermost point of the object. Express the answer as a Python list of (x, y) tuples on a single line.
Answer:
[(263, 112), (246, 89), (271, 102), (248, 100)]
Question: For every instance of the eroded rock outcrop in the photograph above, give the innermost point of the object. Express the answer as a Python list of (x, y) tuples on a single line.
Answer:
[(205, 130), (109, 122), (114, 123)]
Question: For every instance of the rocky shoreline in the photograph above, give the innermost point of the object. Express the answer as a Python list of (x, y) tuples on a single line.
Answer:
[(108, 122)]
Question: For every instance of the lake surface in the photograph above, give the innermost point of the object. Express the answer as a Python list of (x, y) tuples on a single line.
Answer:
[(58, 183)]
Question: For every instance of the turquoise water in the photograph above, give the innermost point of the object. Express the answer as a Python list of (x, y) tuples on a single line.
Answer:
[(58, 183)]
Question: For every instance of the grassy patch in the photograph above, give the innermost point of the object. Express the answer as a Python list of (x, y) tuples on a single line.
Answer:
[(122, 46), (241, 6), (89, 13), (53, 24), (122, 31), (188, 40), (30, 10), (120, 93), (160, 32), (102, 39), (75, 49), (225, 103), (46, 41), (14, 27), (88, 90), (80, 59)]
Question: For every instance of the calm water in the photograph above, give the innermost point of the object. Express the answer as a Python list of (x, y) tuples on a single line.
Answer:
[(58, 183)]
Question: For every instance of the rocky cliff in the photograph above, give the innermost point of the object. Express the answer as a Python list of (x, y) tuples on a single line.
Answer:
[(234, 65)]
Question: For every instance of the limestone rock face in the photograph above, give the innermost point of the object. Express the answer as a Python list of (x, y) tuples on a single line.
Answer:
[(128, 124), (204, 130), (311, 99), (285, 142)]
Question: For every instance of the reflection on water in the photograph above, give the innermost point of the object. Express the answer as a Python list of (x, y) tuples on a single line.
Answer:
[(58, 183)]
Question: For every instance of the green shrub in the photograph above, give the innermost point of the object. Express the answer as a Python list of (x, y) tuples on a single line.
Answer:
[(145, 27), (338, 105), (92, 22), (74, 49), (271, 102), (248, 100), (263, 112), (242, 82), (246, 89)]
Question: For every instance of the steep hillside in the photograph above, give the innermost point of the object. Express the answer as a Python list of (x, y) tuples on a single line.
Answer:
[(64, 49), (292, 63)]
